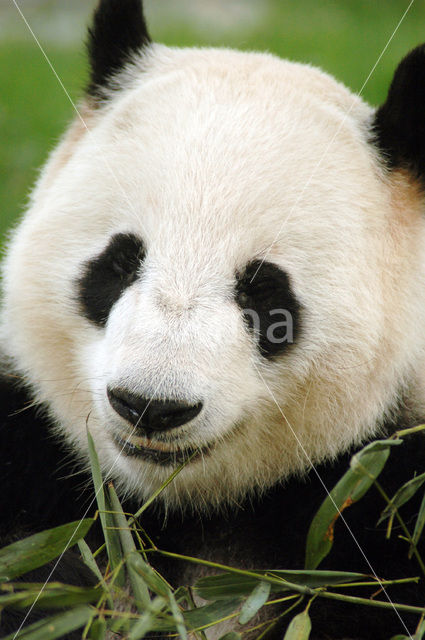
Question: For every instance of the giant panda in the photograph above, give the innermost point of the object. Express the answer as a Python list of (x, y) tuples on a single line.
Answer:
[(222, 260)]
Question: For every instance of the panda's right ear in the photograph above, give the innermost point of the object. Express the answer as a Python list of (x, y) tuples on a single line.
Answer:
[(118, 32), (399, 125)]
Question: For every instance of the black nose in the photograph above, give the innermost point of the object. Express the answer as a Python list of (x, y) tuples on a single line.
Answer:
[(149, 414)]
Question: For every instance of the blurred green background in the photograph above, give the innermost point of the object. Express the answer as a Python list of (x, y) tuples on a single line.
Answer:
[(345, 38)]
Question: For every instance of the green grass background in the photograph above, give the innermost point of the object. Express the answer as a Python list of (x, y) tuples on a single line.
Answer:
[(345, 38)]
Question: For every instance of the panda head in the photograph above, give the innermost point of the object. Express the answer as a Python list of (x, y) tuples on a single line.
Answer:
[(222, 261)]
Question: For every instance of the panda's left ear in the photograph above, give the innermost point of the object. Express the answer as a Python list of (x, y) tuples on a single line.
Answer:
[(118, 32), (399, 125)]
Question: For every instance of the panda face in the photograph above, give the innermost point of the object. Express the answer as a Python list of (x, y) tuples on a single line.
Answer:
[(209, 271)]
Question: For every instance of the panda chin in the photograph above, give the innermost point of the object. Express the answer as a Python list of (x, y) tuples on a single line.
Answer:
[(160, 457)]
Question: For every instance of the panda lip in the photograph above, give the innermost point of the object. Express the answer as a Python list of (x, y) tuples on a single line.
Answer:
[(157, 452)]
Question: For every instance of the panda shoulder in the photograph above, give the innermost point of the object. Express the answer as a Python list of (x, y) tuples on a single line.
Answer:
[(42, 482)]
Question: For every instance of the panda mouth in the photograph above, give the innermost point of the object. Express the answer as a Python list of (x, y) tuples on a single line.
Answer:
[(158, 453)]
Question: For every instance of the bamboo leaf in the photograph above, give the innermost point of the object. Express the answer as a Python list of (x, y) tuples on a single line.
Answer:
[(182, 595), (368, 464), (211, 614), (299, 628), (120, 625), (37, 550), (232, 635), (227, 585), (140, 589), (318, 577), (420, 632), (97, 629), (302, 589), (419, 525), (178, 617), (402, 495), (146, 622), (138, 583), (142, 626), (89, 560), (124, 532), (154, 581), (53, 596), (113, 548), (254, 602), (365, 467), (55, 626)]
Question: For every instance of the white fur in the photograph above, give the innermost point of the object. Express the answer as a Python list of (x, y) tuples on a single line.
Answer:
[(212, 157)]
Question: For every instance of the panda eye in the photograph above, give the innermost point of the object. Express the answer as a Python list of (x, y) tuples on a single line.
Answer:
[(126, 260), (270, 308), (106, 276)]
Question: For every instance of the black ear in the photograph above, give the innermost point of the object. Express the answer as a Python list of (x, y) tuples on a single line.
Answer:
[(399, 124), (118, 31)]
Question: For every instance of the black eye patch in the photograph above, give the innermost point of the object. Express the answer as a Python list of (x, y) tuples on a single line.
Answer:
[(106, 276), (264, 293)]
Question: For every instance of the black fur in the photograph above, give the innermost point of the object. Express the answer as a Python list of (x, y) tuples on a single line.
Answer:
[(399, 125), (265, 289), (267, 532), (119, 31), (106, 276), (37, 491)]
